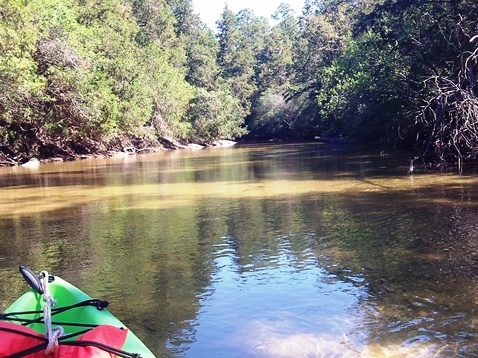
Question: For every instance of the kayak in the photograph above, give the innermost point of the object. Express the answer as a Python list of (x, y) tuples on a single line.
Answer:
[(54, 316)]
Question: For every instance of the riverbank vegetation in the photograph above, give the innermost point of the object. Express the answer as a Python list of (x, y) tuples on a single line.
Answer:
[(86, 76)]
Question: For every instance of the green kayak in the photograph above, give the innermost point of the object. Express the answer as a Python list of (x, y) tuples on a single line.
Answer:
[(74, 314)]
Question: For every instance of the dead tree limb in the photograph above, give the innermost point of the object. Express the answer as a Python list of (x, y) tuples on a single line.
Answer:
[(452, 114)]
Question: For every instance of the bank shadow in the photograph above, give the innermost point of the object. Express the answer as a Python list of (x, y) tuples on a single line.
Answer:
[(300, 161)]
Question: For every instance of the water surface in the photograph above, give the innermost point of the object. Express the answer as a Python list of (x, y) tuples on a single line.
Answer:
[(283, 250)]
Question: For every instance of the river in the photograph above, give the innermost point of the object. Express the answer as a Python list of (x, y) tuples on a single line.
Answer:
[(279, 250)]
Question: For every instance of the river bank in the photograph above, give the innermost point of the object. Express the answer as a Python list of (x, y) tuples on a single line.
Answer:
[(165, 145)]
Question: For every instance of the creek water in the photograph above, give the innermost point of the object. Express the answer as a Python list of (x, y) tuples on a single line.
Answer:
[(279, 250)]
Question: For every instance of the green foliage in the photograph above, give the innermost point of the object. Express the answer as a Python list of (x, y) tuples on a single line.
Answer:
[(410, 42), (216, 115), (20, 85), (364, 65), (75, 78), (241, 40), (92, 75), (170, 95), (274, 115), (362, 92), (156, 24), (276, 118), (200, 45), (202, 51)]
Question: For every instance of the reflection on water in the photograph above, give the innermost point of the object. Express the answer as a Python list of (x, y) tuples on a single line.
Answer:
[(290, 250), (273, 309)]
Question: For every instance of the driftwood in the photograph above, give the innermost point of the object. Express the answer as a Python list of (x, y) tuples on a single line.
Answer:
[(452, 114)]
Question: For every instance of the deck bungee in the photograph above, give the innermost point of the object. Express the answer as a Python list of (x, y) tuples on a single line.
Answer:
[(56, 319)]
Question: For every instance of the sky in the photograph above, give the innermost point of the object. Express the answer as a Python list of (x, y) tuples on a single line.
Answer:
[(210, 10)]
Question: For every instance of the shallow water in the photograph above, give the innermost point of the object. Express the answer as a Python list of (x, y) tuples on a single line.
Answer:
[(283, 250)]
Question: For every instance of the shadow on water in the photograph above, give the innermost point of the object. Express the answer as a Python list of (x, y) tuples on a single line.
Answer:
[(258, 252), (297, 161)]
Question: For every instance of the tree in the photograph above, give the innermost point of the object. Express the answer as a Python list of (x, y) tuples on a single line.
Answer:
[(79, 83), (240, 37), (216, 115), (21, 88), (199, 43), (449, 117), (320, 39), (156, 22), (431, 42), (272, 115)]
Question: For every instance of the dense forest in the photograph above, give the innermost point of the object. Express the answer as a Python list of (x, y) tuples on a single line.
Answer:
[(89, 76)]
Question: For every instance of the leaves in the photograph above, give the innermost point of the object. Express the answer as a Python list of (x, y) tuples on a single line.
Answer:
[(84, 76), (216, 115)]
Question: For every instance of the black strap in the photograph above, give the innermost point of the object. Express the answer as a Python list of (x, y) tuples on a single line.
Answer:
[(104, 347), (26, 334), (13, 316)]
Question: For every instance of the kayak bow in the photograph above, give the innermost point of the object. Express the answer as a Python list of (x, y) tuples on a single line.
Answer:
[(87, 328)]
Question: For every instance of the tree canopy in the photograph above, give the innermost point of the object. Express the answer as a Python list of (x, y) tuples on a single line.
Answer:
[(89, 76)]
